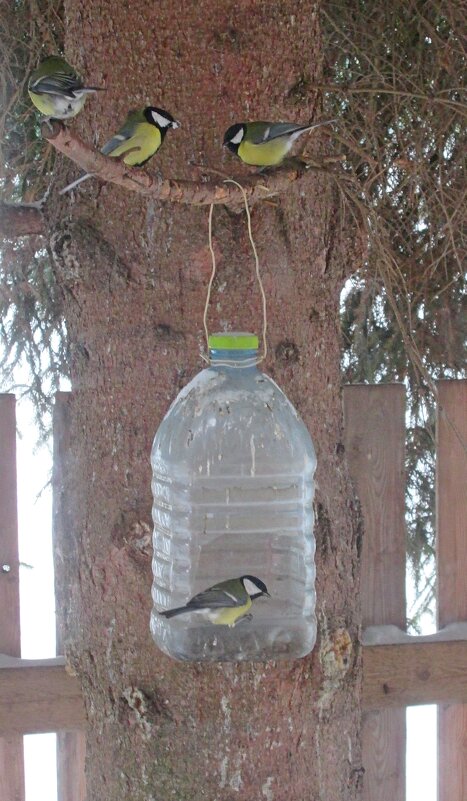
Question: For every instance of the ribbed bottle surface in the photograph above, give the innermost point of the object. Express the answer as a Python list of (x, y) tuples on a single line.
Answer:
[(232, 483)]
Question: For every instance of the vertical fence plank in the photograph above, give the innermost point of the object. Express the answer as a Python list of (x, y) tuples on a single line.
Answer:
[(11, 748), (71, 755), (71, 745), (10, 638), (451, 499), (375, 445), (12, 768)]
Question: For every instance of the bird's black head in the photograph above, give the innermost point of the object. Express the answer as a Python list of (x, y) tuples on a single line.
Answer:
[(160, 118), (254, 586), (234, 136)]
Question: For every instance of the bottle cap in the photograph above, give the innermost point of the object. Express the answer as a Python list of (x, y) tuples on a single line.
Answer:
[(233, 340)]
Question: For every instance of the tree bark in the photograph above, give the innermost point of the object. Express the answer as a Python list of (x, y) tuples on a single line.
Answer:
[(17, 220), (134, 271)]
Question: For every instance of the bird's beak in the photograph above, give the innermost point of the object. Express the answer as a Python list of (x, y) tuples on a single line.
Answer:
[(176, 124), (267, 594)]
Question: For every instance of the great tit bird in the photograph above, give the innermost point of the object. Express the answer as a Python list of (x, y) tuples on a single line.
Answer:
[(57, 90), (226, 603), (265, 144), (139, 138)]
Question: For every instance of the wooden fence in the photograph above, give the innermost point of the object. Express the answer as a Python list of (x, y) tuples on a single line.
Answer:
[(398, 671)]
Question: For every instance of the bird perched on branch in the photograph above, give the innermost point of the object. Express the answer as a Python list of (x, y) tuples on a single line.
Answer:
[(226, 603), (265, 144), (139, 138), (57, 90)]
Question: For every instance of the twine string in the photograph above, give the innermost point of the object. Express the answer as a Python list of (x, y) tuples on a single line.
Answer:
[(256, 359), (213, 273)]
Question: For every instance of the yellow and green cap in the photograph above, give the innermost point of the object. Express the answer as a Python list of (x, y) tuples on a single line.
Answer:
[(233, 340)]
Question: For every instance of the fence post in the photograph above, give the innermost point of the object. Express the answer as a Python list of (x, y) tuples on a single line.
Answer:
[(375, 445), (11, 748), (451, 505), (71, 745)]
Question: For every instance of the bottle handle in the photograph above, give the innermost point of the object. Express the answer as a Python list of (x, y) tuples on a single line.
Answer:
[(257, 270)]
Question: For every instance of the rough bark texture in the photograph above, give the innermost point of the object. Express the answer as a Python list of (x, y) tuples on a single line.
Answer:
[(20, 220), (134, 273)]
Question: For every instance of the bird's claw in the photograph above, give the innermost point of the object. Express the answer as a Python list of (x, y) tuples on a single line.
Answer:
[(245, 619)]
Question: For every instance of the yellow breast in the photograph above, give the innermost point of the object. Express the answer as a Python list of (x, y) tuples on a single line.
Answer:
[(146, 141), (58, 106), (229, 616), (266, 154)]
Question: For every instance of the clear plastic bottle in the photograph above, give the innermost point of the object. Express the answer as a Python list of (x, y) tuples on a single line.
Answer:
[(233, 468)]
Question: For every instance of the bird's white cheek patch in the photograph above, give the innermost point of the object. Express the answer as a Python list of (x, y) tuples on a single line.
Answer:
[(238, 137), (161, 121), (250, 587)]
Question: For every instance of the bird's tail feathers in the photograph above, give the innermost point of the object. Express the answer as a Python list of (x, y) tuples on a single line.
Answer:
[(173, 612), (316, 125), (304, 128), (75, 183)]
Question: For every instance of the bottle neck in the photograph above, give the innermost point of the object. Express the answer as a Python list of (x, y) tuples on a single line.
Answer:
[(234, 358)]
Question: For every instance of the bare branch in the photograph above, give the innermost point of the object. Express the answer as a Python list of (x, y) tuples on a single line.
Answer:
[(197, 193), (353, 89)]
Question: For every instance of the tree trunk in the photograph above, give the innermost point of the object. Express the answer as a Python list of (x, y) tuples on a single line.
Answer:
[(134, 274), (18, 220)]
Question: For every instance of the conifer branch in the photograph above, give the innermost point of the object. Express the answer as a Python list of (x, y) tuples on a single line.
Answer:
[(198, 193)]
